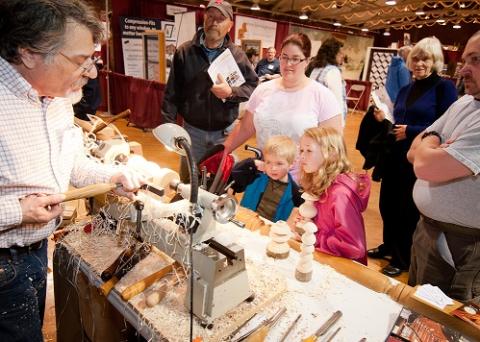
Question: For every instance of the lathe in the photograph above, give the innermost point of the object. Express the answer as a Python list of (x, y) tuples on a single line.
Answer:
[(220, 280)]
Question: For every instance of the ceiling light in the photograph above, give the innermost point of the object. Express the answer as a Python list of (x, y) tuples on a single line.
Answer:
[(364, 29), (390, 2), (337, 24), (457, 26), (419, 12), (255, 7), (303, 16), (462, 5), (440, 20), (202, 6), (386, 33)]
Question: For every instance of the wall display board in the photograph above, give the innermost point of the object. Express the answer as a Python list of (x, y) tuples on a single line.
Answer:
[(131, 30), (251, 28), (185, 27), (377, 62), (154, 62), (353, 46)]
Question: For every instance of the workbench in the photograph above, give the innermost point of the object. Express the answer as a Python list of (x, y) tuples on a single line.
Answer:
[(368, 310)]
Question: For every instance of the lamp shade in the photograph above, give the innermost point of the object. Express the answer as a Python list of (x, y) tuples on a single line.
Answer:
[(169, 133)]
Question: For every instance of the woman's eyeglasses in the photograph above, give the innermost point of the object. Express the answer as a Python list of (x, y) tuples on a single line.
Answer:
[(293, 61)]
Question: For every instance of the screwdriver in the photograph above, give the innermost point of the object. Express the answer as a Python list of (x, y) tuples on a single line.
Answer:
[(324, 328)]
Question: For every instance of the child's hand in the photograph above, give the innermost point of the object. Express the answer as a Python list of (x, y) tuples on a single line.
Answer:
[(260, 165)]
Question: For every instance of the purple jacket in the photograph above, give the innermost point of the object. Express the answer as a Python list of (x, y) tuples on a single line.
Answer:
[(341, 231)]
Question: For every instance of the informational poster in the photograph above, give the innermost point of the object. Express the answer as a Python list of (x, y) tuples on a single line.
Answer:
[(251, 28), (131, 30)]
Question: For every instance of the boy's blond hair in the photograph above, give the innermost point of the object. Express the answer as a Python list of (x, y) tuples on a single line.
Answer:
[(332, 148), (281, 146)]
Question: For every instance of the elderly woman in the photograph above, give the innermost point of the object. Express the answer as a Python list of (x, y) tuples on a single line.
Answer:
[(325, 68), (417, 106), (287, 105)]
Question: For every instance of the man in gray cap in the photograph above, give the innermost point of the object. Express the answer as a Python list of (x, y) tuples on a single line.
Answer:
[(208, 109)]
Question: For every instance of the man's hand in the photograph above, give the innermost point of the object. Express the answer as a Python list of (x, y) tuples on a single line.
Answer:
[(40, 208), (400, 132), (221, 89), (130, 183)]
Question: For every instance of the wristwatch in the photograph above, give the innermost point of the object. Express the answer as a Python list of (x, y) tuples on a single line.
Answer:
[(427, 134)]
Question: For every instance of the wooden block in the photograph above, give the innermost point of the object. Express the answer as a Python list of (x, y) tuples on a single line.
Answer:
[(303, 277), (138, 287)]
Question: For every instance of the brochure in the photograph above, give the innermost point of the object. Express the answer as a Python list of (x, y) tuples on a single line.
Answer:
[(226, 66), (412, 327)]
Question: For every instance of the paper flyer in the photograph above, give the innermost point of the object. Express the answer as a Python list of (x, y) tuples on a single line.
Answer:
[(226, 66)]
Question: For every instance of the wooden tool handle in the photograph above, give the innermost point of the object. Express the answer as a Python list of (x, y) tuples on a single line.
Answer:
[(108, 286), (102, 125), (89, 191), (135, 289), (259, 335)]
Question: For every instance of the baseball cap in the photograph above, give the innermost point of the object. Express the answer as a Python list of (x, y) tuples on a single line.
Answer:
[(224, 7)]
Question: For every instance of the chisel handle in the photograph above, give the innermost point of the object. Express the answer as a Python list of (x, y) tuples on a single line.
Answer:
[(89, 191)]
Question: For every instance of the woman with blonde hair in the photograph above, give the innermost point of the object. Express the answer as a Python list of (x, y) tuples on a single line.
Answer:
[(417, 106), (342, 194)]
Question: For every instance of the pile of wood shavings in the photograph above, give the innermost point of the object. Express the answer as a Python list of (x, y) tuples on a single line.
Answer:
[(99, 250), (173, 320)]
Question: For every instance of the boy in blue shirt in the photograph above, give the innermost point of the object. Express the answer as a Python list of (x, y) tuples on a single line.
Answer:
[(272, 193)]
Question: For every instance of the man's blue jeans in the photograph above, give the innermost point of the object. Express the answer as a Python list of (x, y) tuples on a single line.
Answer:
[(22, 294)]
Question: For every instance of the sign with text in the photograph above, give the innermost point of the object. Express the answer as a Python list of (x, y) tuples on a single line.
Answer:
[(131, 30)]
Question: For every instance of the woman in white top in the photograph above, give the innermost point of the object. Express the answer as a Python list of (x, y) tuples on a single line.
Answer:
[(325, 68), (287, 105)]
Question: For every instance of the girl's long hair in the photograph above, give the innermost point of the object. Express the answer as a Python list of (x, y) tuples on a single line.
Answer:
[(333, 150)]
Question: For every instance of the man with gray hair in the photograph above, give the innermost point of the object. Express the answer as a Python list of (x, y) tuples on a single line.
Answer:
[(45, 59), (446, 161), (398, 75)]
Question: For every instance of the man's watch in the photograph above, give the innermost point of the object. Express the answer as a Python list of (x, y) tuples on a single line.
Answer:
[(427, 134)]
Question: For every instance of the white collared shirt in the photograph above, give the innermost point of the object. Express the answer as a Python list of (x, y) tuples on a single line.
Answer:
[(41, 152)]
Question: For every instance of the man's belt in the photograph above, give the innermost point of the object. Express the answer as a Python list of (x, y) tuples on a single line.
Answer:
[(21, 249), (453, 228)]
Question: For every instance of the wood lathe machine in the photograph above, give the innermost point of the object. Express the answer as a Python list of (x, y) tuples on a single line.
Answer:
[(220, 280)]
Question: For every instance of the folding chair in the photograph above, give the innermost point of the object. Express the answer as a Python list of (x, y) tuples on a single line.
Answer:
[(355, 98)]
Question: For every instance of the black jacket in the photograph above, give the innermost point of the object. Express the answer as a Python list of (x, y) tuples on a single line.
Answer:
[(375, 142), (188, 89)]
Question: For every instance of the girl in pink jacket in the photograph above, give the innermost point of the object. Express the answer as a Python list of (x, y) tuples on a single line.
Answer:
[(343, 195)]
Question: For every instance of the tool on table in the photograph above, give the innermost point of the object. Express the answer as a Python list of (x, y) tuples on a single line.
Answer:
[(90, 191), (259, 332), (290, 328), (232, 335), (330, 338), (124, 266), (325, 327)]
